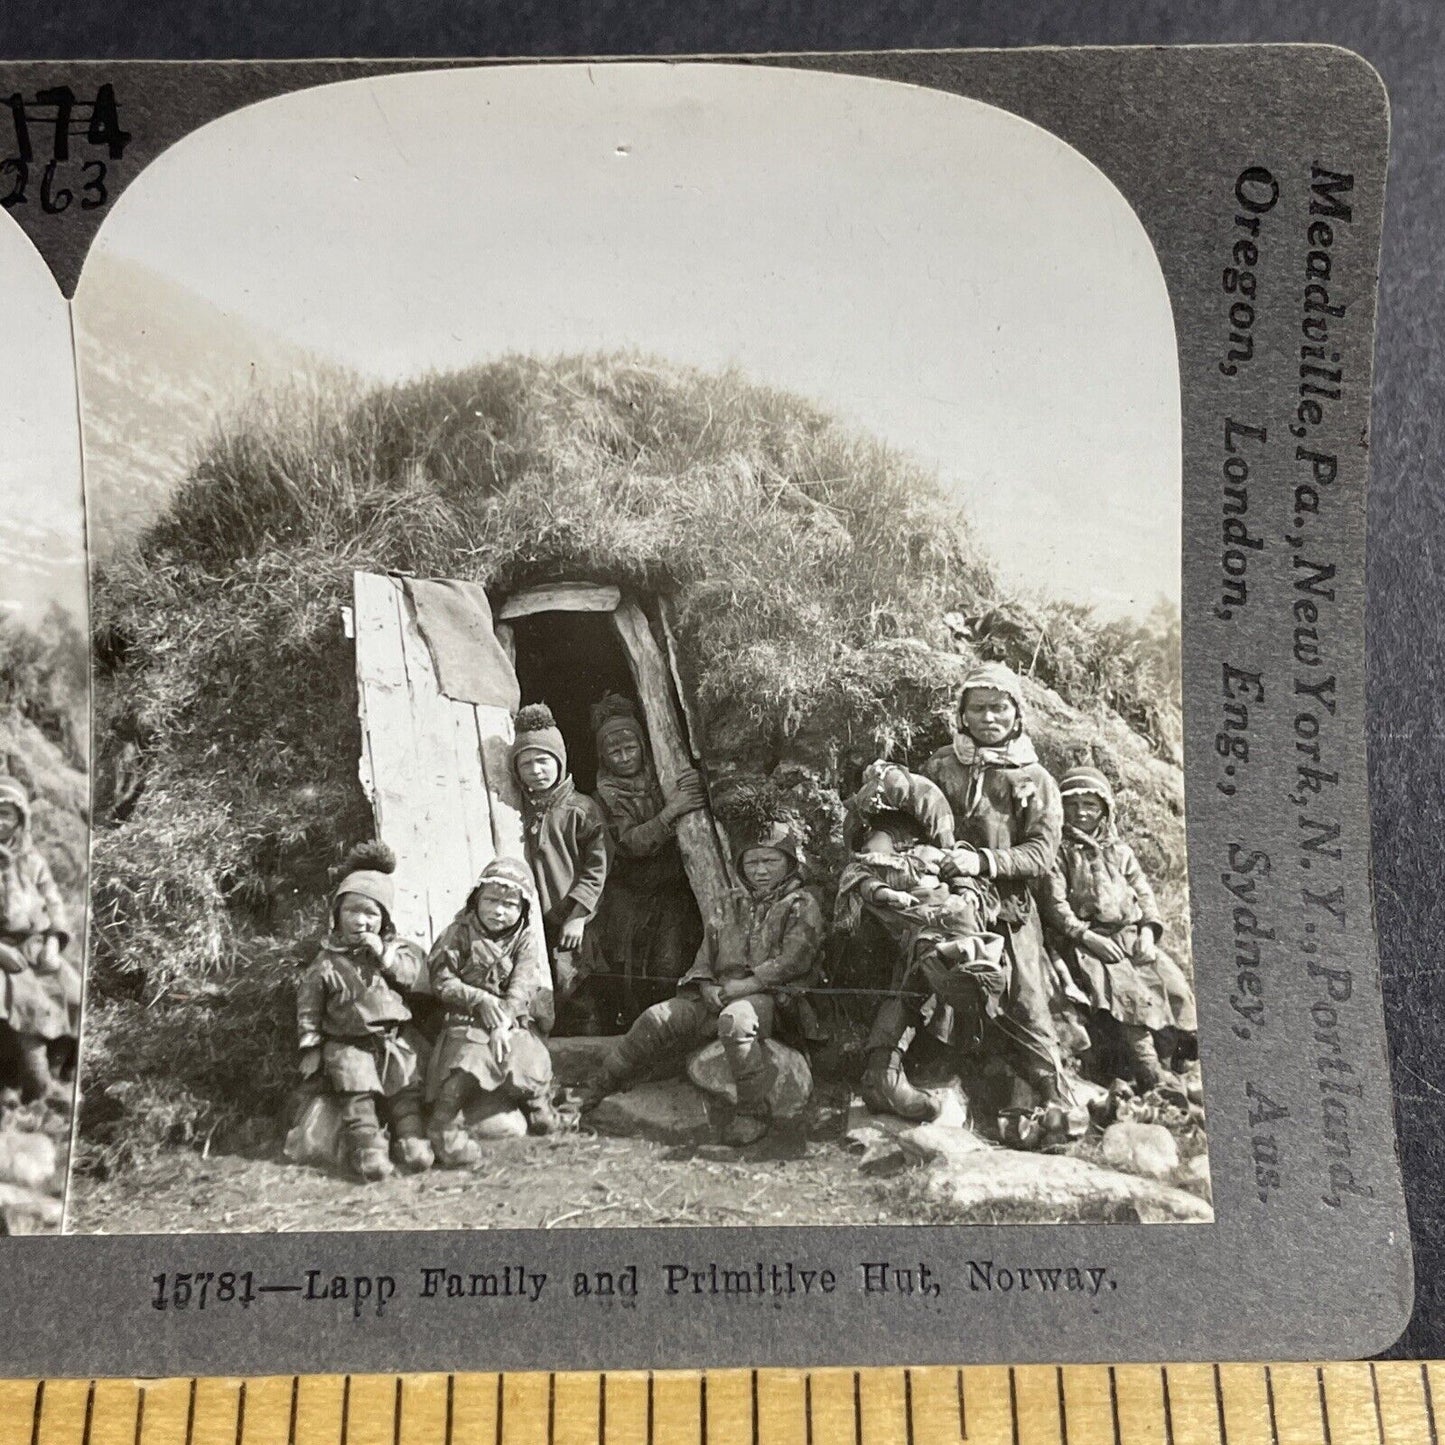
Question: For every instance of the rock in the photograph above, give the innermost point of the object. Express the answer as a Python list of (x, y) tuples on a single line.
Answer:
[(490, 1117), (1006, 1186), (672, 1111), (708, 1069), (864, 1128), (876, 1143), (883, 1159), (867, 1137), (953, 1114), (889, 1144), (1191, 1142), (506, 1124), (24, 1211), (940, 1143), (1194, 1176), (1164, 1207), (1145, 1149), (26, 1159)]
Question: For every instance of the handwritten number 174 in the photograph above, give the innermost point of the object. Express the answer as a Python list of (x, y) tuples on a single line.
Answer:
[(56, 116)]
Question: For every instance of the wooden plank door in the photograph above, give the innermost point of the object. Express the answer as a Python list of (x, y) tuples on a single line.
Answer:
[(436, 770)]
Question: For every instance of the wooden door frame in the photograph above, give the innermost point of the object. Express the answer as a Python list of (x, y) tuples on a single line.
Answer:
[(704, 851)]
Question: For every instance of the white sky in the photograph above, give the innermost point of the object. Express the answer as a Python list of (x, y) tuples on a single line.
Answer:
[(933, 270), (42, 556)]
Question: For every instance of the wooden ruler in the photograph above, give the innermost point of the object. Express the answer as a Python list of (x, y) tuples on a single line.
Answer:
[(1388, 1403)]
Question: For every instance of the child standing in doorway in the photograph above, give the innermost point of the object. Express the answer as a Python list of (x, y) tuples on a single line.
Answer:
[(566, 845), (649, 926)]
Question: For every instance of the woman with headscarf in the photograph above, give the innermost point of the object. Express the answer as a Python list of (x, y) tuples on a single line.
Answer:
[(1008, 819), (649, 927)]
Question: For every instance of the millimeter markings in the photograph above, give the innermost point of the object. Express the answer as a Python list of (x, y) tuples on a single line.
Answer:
[(1385, 1403)]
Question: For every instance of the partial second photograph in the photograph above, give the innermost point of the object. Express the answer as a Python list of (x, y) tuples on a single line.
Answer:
[(635, 649), (44, 744)]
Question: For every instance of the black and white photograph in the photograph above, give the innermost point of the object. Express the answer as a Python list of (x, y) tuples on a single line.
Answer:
[(44, 748), (690, 713), (641, 686)]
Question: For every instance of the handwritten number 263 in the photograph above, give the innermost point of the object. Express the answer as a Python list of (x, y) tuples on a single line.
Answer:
[(53, 198)]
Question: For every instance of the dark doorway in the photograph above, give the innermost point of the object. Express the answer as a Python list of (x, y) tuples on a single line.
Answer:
[(648, 927), (569, 660)]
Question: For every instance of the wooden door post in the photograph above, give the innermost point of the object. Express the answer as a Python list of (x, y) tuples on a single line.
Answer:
[(702, 854)]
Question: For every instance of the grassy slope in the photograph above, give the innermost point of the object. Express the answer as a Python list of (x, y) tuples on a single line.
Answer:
[(809, 569)]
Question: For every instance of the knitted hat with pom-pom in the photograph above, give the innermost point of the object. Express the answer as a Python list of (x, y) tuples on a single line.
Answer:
[(366, 872), (537, 731)]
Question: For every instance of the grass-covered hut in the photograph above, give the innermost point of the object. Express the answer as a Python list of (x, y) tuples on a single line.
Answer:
[(823, 594)]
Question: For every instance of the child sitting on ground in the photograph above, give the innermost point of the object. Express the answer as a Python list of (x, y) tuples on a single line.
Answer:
[(761, 947), (489, 970), (354, 1023), (39, 993), (566, 845), (1101, 915)]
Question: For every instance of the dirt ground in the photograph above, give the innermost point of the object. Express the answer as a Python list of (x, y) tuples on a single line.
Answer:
[(580, 1180), (621, 1169), (34, 1155)]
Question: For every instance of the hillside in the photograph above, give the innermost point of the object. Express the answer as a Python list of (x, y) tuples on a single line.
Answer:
[(157, 365), (809, 571)]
